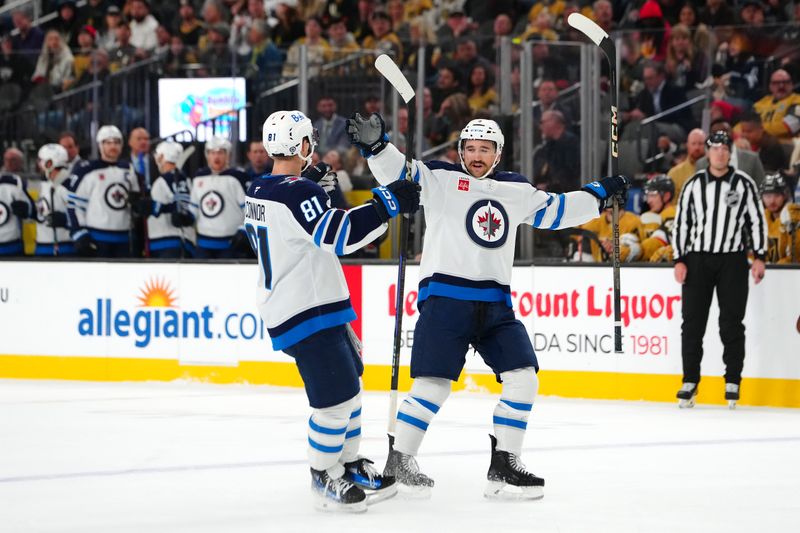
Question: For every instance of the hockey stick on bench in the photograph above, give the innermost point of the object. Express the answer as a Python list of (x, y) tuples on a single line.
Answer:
[(599, 37), (393, 75)]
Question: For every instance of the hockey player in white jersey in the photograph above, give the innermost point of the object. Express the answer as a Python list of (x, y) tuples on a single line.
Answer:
[(15, 206), (217, 202), (99, 194), (303, 299), (170, 224), (472, 212), (52, 231)]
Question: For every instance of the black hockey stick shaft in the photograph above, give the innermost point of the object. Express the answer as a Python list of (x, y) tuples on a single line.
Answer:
[(52, 217), (606, 44)]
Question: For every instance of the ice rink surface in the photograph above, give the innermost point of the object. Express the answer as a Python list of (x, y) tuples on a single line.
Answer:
[(189, 457)]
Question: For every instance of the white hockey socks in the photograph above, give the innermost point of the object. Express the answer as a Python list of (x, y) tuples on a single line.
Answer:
[(326, 434), (352, 437), (417, 410), (514, 408)]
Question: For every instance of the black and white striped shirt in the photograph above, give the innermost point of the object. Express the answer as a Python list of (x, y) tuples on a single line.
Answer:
[(714, 214)]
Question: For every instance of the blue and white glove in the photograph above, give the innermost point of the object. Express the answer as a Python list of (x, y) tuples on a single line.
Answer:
[(401, 196), (605, 190)]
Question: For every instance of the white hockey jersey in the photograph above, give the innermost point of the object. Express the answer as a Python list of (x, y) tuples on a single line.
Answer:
[(297, 236), (217, 203), (471, 224), (170, 192), (52, 197), (98, 203), (12, 189)]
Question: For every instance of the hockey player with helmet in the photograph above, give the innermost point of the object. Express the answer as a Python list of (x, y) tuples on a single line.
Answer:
[(99, 194), (303, 299), (783, 220), (15, 206), (217, 203), (170, 225), (52, 231), (472, 212), (657, 222)]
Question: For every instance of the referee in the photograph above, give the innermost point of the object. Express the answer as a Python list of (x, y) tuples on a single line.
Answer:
[(719, 215)]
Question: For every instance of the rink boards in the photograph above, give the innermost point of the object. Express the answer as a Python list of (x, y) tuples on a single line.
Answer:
[(154, 321)]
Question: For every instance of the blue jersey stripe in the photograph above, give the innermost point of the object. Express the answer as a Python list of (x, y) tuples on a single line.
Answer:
[(342, 236), (561, 200), (355, 414), (323, 448), (519, 406), (519, 424), (416, 422), (537, 221), (311, 326), (165, 243), (11, 248), (109, 236), (430, 406), (354, 433), (325, 431), (321, 228), (464, 293)]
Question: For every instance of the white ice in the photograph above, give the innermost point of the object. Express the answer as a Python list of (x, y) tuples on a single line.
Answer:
[(189, 457)]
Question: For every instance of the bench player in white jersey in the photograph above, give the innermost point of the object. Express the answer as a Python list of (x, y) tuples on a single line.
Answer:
[(99, 194), (170, 228), (217, 202), (52, 231), (303, 299), (472, 212), (15, 206)]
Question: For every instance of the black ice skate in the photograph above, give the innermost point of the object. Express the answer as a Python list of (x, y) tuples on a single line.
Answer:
[(377, 487), (336, 495), (508, 479), (686, 396), (732, 394), (410, 481)]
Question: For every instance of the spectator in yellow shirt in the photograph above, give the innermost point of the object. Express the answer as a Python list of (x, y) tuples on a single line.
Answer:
[(630, 233), (657, 222), (383, 38), (775, 106), (695, 149), (319, 51)]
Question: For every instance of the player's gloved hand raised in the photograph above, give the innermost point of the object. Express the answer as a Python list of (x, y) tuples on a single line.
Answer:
[(401, 196), (322, 175), (20, 209), (85, 247), (606, 188), (56, 219), (369, 134), (181, 219)]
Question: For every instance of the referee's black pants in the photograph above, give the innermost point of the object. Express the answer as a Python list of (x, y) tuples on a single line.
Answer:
[(727, 273)]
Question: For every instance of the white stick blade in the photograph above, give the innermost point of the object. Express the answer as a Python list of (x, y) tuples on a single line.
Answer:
[(392, 73), (588, 27)]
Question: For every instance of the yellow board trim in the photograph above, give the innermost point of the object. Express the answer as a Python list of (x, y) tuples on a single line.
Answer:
[(568, 384)]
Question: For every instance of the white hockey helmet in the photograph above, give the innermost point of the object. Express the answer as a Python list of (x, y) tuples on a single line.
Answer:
[(168, 151), (283, 135), (485, 130), (218, 142), (52, 156), (108, 132)]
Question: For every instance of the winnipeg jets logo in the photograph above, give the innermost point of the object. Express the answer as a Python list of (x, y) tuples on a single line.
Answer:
[(212, 204), (117, 196), (487, 223), (4, 213)]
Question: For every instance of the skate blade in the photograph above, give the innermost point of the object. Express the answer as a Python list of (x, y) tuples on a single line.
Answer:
[(321, 503), (731, 404), (413, 492), (686, 404), (497, 490), (377, 496)]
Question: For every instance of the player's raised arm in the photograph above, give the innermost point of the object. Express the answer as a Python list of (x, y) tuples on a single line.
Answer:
[(566, 210)]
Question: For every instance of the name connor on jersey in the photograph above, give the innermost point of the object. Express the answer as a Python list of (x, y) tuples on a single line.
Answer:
[(254, 211)]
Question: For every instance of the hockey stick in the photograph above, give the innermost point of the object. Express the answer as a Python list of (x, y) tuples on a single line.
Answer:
[(52, 213), (393, 75), (599, 37), (185, 155)]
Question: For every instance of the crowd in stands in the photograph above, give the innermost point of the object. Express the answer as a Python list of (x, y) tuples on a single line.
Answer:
[(743, 55)]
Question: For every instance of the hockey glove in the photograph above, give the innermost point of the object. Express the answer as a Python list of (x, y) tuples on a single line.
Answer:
[(241, 245), (140, 205), (21, 209), (181, 219), (368, 134), (401, 196), (56, 219), (322, 175), (605, 189), (165, 208), (85, 247)]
